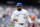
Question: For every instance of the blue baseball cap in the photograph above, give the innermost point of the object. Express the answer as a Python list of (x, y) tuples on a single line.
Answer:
[(19, 4)]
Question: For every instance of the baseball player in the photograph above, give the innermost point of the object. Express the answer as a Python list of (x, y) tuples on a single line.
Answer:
[(19, 16)]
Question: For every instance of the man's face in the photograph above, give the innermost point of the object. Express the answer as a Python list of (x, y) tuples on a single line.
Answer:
[(19, 8)]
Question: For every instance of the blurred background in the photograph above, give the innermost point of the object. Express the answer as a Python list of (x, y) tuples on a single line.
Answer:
[(8, 6)]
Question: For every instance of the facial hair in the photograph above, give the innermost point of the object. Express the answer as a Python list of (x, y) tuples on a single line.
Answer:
[(19, 9)]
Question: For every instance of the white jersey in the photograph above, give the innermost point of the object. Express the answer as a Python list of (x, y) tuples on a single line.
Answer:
[(21, 15)]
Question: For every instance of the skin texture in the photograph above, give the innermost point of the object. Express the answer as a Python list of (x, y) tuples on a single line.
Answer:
[(15, 20)]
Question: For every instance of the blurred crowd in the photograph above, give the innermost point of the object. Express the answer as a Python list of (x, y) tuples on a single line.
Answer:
[(6, 11)]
